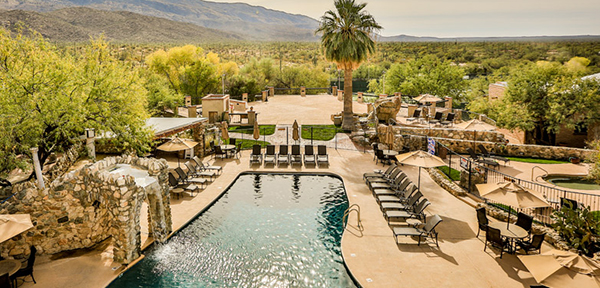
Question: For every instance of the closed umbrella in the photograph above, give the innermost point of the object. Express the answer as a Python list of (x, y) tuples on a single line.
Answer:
[(512, 194), (295, 131), (224, 130), (256, 132), (12, 225), (177, 144), (420, 159), (557, 268)]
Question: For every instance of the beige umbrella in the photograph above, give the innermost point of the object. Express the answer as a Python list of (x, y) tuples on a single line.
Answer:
[(224, 130), (389, 136), (420, 159), (475, 124), (428, 98), (557, 268), (13, 225), (295, 132), (512, 194), (177, 144), (256, 132)]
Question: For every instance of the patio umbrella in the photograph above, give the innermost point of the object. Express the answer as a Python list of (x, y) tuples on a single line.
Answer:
[(224, 130), (420, 159), (512, 194), (13, 225), (428, 98), (389, 136), (295, 132), (557, 268), (475, 124), (177, 144), (256, 132)]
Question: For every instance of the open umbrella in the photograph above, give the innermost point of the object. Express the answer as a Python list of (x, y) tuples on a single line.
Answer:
[(557, 268), (224, 130), (295, 132), (12, 225), (512, 194), (420, 159), (475, 124), (256, 132), (177, 144), (428, 98)]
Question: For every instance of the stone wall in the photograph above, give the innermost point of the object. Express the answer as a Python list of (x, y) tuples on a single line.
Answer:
[(449, 133), (89, 205)]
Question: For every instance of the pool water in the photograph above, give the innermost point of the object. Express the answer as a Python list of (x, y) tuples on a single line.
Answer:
[(266, 231), (572, 182)]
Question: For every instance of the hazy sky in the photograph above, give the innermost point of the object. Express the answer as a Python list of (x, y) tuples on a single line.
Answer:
[(459, 18)]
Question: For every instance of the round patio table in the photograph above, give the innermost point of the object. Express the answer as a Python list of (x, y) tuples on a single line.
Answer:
[(9, 266), (227, 149), (511, 232), (390, 153)]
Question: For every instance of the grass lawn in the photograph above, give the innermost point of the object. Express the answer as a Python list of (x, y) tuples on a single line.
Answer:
[(264, 129), (536, 160), (454, 174), (247, 143), (320, 132)]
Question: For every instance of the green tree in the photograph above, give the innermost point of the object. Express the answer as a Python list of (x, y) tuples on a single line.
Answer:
[(347, 40), (49, 98)]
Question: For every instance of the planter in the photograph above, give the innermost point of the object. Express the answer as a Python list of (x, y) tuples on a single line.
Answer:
[(575, 160)]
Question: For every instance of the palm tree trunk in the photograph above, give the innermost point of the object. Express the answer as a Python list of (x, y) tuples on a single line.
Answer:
[(347, 117)]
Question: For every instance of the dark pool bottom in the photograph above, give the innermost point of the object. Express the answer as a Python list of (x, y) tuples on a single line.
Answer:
[(266, 231)]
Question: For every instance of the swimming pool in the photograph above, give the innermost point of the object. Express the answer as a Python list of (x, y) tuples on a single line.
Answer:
[(267, 230), (572, 182)]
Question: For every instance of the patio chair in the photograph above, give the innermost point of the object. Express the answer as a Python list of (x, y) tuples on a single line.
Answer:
[(28, 270), (379, 173), (428, 231), (382, 158), (481, 160), (417, 213), (535, 244), (283, 155), (175, 183), (5, 281), (232, 141), (188, 178), (196, 173), (482, 220), (402, 195), (296, 157), (487, 154), (309, 155), (270, 156), (238, 151), (256, 155), (415, 116), (322, 156), (437, 118), (375, 147), (204, 167), (524, 221), (449, 120), (572, 204), (402, 204), (220, 153), (494, 237)]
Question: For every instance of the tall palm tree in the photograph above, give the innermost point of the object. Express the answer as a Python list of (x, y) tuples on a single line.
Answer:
[(347, 40)]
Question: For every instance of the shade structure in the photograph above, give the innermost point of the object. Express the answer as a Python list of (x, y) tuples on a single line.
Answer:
[(12, 225), (428, 98), (475, 124), (295, 131), (389, 136), (420, 159), (557, 268), (177, 144), (224, 130), (512, 194), (256, 132)]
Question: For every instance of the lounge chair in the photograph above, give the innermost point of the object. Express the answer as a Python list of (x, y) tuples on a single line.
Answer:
[(415, 116), (482, 220), (401, 195), (309, 155), (197, 173), (380, 173), (404, 183), (384, 179), (283, 155), (256, 156), (388, 185), (270, 156), (449, 120), (203, 166), (437, 118), (28, 270), (418, 212), (296, 157), (481, 160), (487, 154), (409, 204), (176, 183), (188, 178), (322, 157), (494, 237), (535, 244), (428, 231)]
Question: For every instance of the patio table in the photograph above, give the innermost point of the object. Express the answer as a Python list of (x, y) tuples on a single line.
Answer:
[(511, 232), (9, 266)]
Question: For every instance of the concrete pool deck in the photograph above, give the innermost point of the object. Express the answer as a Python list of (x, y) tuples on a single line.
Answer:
[(371, 255)]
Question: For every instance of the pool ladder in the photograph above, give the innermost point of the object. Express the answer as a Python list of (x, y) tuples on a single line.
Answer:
[(539, 175), (356, 208)]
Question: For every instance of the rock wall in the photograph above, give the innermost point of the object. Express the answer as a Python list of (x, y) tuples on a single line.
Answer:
[(450, 133), (89, 205)]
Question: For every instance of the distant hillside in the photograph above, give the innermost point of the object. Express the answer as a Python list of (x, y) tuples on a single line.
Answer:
[(408, 38), (254, 22), (79, 24)]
